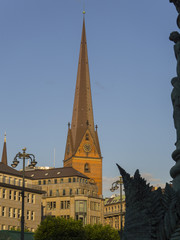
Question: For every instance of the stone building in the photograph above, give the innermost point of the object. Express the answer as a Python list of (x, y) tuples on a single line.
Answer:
[(69, 193), (10, 198), (112, 211)]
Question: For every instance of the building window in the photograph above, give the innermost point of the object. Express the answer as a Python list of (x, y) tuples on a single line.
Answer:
[(4, 179), (87, 136), (68, 204), (81, 206), (10, 180), (86, 167), (28, 197), (55, 181), (9, 227), (10, 194), (19, 213), (19, 196), (15, 195), (69, 180), (51, 205), (57, 192), (3, 227), (77, 179), (14, 212), (28, 215), (32, 215), (70, 191), (39, 182), (62, 180), (19, 182), (44, 182), (65, 204), (10, 212), (3, 211), (4, 193), (32, 198), (64, 192), (49, 181), (15, 181), (95, 206), (50, 193), (74, 179)]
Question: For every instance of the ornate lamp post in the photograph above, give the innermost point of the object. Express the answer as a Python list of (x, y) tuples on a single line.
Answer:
[(23, 156), (115, 186)]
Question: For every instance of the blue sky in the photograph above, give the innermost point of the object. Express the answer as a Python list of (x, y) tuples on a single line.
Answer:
[(131, 65)]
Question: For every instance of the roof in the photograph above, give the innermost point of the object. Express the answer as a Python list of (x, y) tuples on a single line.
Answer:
[(113, 200), (9, 170), (54, 173)]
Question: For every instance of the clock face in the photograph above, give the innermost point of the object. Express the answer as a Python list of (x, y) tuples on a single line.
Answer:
[(87, 147)]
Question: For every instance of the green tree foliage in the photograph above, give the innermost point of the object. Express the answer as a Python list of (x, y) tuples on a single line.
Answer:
[(56, 228), (100, 232)]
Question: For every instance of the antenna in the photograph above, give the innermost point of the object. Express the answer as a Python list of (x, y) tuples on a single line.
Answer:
[(54, 156)]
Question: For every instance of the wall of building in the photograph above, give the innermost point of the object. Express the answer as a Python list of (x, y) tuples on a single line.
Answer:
[(11, 203)]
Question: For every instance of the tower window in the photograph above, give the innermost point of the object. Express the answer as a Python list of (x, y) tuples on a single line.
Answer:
[(86, 167), (87, 136)]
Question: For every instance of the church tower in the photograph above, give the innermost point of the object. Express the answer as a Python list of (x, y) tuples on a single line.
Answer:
[(82, 146)]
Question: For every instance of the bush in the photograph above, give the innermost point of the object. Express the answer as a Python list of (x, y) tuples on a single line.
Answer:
[(100, 232), (56, 228)]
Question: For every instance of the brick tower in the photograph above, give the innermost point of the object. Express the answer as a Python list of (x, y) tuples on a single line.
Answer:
[(82, 146)]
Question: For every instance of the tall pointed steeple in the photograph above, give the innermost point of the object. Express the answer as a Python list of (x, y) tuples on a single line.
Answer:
[(82, 140), (82, 109), (82, 117), (4, 154)]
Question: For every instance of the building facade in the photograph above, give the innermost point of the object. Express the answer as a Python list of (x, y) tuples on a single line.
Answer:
[(112, 211), (69, 194), (11, 201)]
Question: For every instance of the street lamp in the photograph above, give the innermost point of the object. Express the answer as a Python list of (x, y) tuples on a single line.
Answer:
[(115, 186), (23, 156)]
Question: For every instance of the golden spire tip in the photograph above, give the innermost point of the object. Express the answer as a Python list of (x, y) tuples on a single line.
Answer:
[(5, 137)]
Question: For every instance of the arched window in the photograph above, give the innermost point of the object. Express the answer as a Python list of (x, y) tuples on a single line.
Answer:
[(86, 167)]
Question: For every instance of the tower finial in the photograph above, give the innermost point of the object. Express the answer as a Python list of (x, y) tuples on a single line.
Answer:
[(84, 8), (5, 137)]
